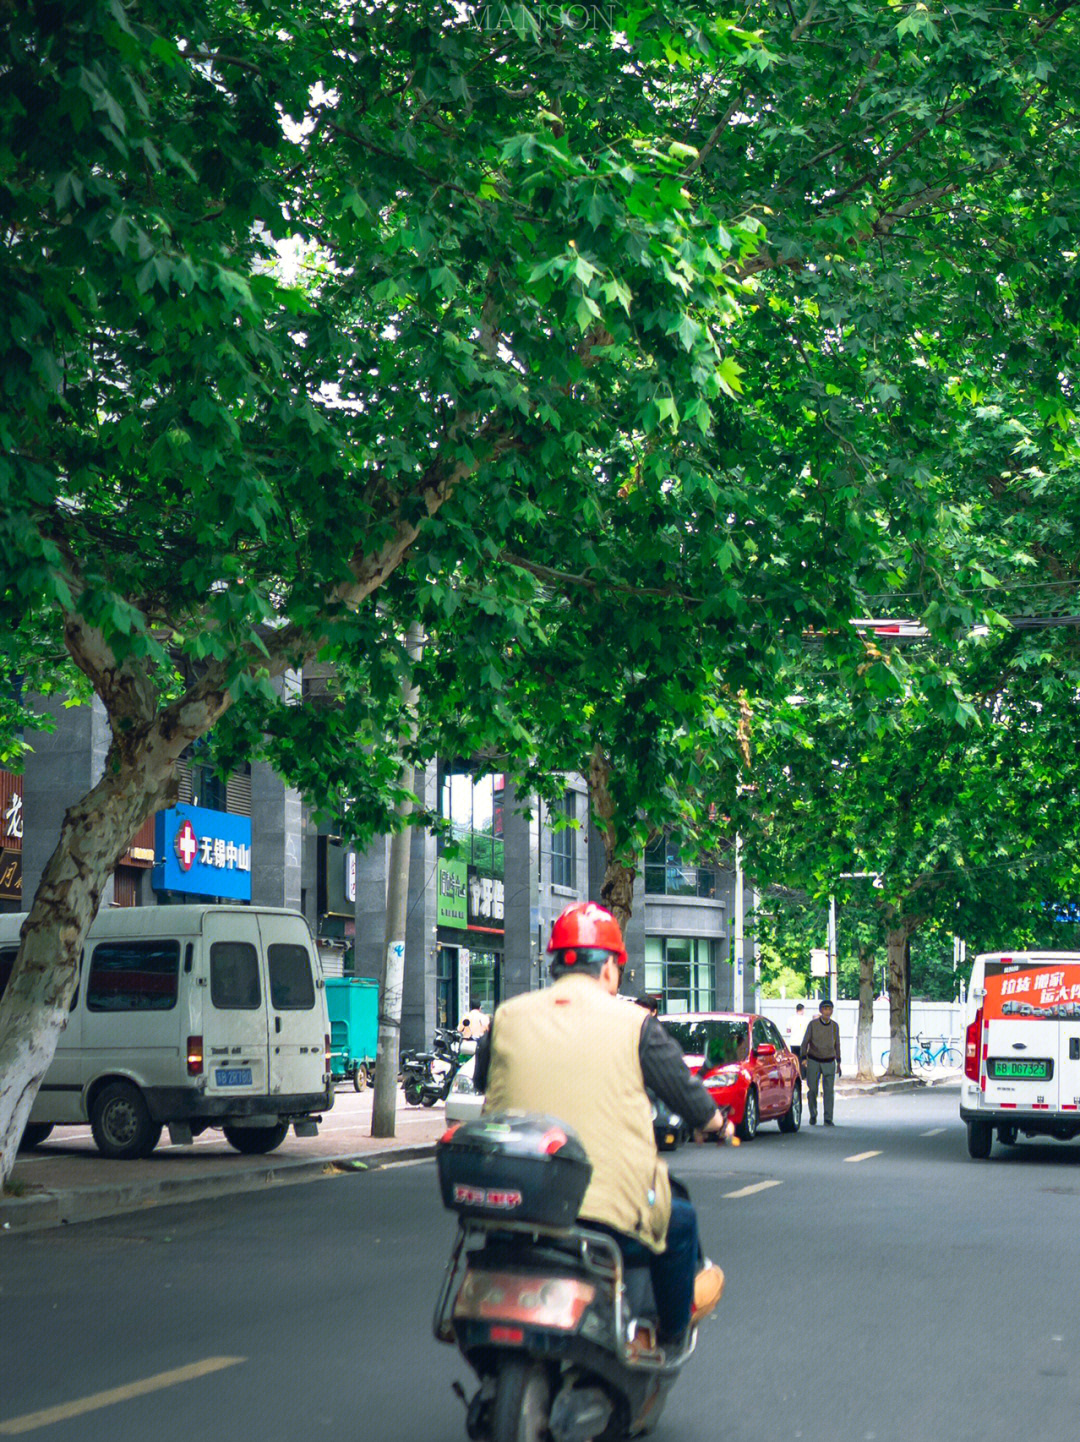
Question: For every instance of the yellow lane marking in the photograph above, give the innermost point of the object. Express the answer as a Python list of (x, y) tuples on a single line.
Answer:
[(749, 1191), (934, 1132), (30, 1421), (862, 1156)]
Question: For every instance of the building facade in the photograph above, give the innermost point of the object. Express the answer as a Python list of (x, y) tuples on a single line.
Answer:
[(483, 893)]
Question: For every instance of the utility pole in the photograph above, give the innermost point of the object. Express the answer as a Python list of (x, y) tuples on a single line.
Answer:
[(392, 974), (738, 939)]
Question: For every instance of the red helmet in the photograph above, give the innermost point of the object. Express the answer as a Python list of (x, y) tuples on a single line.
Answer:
[(586, 925)]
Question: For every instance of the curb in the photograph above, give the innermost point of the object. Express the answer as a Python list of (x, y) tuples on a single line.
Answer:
[(905, 1084), (88, 1204)]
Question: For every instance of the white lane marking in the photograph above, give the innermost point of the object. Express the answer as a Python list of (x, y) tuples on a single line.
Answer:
[(862, 1156), (933, 1132), (30, 1421), (749, 1191)]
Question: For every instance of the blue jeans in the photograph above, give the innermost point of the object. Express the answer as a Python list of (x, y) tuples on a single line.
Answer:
[(672, 1271)]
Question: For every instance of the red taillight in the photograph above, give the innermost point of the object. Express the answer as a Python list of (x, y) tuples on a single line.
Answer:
[(194, 1056), (326, 1053), (974, 1043), (449, 1132), (553, 1141), (514, 1335)]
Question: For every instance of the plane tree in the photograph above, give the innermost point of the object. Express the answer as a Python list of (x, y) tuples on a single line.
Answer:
[(288, 287)]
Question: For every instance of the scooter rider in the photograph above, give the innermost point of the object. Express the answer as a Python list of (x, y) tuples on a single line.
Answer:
[(574, 1051)]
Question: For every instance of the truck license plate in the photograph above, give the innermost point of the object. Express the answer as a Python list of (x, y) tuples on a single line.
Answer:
[(234, 1076)]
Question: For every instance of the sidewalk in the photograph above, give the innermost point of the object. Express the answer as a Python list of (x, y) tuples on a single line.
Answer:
[(67, 1180), (849, 1087)]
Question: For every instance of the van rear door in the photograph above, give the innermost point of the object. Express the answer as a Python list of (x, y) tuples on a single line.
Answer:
[(1026, 1005), (297, 1007), (235, 1031)]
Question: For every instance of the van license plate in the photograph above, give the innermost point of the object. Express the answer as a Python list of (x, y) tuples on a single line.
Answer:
[(234, 1076), (1035, 1069)]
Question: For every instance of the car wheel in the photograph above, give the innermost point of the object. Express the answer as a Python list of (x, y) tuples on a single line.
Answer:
[(121, 1124), (256, 1141), (747, 1128), (980, 1140), (34, 1133), (792, 1118)]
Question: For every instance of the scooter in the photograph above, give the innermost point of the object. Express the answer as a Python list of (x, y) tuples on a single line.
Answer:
[(559, 1331), (427, 1075)]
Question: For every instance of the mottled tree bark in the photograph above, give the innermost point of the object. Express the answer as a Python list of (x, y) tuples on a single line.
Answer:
[(897, 938), (864, 1046), (617, 889)]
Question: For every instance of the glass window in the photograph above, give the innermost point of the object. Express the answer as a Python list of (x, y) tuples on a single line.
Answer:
[(7, 963), (292, 987), (484, 980), (682, 971), (474, 809), (772, 1034), (234, 976), (761, 1034), (133, 976), (712, 1043), (563, 843), (666, 874)]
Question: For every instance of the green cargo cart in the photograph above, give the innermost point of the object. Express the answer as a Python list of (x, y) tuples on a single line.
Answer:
[(353, 1004)]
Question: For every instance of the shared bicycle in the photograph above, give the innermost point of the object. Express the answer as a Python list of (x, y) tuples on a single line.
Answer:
[(926, 1054)]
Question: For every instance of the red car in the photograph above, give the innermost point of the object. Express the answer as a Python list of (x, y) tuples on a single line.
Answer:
[(745, 1064)]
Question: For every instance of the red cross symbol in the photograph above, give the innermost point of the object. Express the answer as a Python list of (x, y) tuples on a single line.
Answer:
[(187, 845)]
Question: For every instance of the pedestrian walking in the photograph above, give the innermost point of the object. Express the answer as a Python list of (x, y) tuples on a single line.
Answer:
[(821, 1060), (649, 1002)]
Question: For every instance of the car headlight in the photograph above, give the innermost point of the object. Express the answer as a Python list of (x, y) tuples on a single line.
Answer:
[(463, 1085), (726, 1075)]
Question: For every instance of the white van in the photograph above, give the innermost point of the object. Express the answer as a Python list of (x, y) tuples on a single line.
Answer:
[(1022, 1051), (191, 1017)]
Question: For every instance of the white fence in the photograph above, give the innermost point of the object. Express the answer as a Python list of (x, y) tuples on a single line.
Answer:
[(931, 1019)]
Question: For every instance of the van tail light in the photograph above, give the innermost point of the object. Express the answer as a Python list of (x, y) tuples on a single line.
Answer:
[(326, 1053), (974, 1045), (194, 1056)]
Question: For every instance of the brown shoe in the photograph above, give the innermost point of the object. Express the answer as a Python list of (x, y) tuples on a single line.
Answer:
[(708, 1289)]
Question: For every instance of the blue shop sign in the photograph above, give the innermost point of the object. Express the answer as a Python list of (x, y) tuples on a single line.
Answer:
[(206, 853)]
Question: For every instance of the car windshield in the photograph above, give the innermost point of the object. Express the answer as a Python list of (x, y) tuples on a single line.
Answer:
[(718, 1042)]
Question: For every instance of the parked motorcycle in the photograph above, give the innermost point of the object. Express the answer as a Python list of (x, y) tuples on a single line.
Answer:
[(559, 1331), (427, 1075)]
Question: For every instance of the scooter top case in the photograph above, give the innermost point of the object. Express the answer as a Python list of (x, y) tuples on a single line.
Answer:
[(514, 1166)]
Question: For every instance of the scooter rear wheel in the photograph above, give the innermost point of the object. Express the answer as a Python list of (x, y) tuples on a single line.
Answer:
[(522, 1402)]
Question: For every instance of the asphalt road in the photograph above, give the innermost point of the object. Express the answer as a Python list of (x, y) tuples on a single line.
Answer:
[(881, 1287)]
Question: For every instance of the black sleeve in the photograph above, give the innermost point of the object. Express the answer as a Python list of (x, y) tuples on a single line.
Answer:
[(482, 1062), (669, 1077)]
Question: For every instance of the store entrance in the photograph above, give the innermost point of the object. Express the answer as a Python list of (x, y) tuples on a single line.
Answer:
[(485, 980)]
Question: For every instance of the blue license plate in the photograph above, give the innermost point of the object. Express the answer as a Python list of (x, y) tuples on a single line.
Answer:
[(234, 1076)]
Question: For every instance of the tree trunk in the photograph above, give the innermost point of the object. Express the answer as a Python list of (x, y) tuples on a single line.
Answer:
[(864, 1044), (617, 888), (899, 1039), (93, 837), (392, 974)]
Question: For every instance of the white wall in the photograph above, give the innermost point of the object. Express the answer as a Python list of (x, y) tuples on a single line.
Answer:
[(934, 1019)]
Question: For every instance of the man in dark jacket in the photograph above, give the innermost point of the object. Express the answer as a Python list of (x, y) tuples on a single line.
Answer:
[(821, 1060)]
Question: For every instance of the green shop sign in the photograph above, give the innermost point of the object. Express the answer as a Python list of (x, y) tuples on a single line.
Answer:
[(451, 907)]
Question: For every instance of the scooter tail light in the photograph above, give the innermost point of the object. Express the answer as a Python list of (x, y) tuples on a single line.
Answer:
[(449, 1132), (973, 1044), (194, 1056), (553, 1140), (557, 1302)]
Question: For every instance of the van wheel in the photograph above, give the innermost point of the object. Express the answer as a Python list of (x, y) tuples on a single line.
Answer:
[(1007, 1136), (980, 1140), (256, 1141), (34, 1133), (120, 1121)]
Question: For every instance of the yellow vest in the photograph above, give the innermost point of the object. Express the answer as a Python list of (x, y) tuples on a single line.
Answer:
[(571, 1051)]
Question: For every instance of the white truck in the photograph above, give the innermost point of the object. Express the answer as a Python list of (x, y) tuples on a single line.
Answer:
[(190, 1017), (1022, 1048)]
